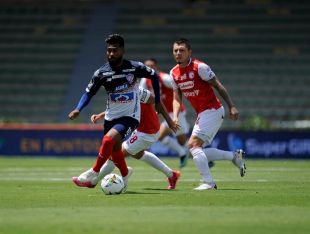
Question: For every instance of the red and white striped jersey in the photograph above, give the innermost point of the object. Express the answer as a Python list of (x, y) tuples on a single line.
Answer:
[(192, 80)]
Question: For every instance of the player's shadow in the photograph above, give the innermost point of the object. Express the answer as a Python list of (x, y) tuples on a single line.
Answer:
[(233, 189), (132, 192), (157, 189)]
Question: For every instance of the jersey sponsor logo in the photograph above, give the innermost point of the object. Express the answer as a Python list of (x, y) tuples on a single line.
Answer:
[(130, 77), (186, 85), (191, 75), (108, 73), (191, 94), (118, 76), (121, 87), (129, 70), (122, 97)]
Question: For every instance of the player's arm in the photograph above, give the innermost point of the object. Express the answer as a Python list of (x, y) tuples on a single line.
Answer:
[(96, 117), (177, 99), (208, 75), (233, 111), (85, 99), (91, 90), (177, 102)]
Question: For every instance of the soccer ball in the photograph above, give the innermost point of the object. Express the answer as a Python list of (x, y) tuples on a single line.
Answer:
[(112, 184)]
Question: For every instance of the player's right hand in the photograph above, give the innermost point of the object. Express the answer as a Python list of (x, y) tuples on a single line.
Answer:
[(94, 118), (73, 114)]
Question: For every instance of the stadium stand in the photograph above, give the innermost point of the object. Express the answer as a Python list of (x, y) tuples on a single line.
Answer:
[(38, 48), (258, 48)]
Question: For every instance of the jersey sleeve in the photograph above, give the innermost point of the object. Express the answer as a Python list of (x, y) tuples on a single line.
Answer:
[(143, 83), (166, 79), (172, 83), (144, 94), (94, 84), (145, 71), (205, 72)]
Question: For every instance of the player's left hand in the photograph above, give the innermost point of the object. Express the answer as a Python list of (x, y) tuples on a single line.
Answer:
[(234, 113)]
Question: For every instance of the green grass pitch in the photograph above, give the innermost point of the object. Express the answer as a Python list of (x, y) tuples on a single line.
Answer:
[(37, 196)]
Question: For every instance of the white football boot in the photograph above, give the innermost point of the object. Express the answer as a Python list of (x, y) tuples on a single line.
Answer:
[(87, 179), (239, 162), (206, 186), (125, 179)]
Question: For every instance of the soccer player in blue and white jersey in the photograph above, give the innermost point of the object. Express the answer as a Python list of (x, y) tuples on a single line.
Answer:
[(120, 78)]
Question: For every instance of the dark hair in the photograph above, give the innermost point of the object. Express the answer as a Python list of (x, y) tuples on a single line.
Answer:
[(115, 39), (152, 59), (183, 41)]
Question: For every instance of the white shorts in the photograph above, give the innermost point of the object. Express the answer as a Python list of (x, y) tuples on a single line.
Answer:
[(208, 123), (139, 141), (184, 129)]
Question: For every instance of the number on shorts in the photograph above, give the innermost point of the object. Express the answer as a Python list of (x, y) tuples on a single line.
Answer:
[(133, 139)]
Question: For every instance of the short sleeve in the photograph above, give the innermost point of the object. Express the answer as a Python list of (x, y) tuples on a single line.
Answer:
[(166, 79), (94, 84), (172, 82), (205, 72)]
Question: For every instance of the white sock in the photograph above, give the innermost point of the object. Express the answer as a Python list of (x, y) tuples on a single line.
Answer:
[(201, 162), (155, 162), (106, 169), (214, 154), (173, 144)]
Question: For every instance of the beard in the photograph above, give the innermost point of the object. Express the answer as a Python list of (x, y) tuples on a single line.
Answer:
[(115, 62)]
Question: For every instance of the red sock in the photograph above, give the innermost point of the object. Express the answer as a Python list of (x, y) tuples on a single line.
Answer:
[(119, 161), (104, 153)]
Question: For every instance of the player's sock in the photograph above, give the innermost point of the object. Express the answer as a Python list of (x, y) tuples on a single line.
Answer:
[(173, 144), (155, 162), (118, 158), (106, 169), (201, 162), (104, 152), (214, 154)]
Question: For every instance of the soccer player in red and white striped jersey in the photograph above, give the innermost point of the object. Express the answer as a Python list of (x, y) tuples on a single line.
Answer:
[(196, 81), (177, 144)]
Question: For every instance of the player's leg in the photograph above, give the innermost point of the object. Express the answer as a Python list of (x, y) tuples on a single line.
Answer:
[(124, 126), (90, 177), (114, 132), (136, 146), (236, 157), (205, 128), (201, 163)]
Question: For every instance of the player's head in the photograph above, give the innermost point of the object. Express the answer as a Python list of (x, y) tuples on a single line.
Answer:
[(182, 51), (115, 49), (152, 63)]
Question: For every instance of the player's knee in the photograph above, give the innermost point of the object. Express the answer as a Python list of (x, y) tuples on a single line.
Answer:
[(138, 155)]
